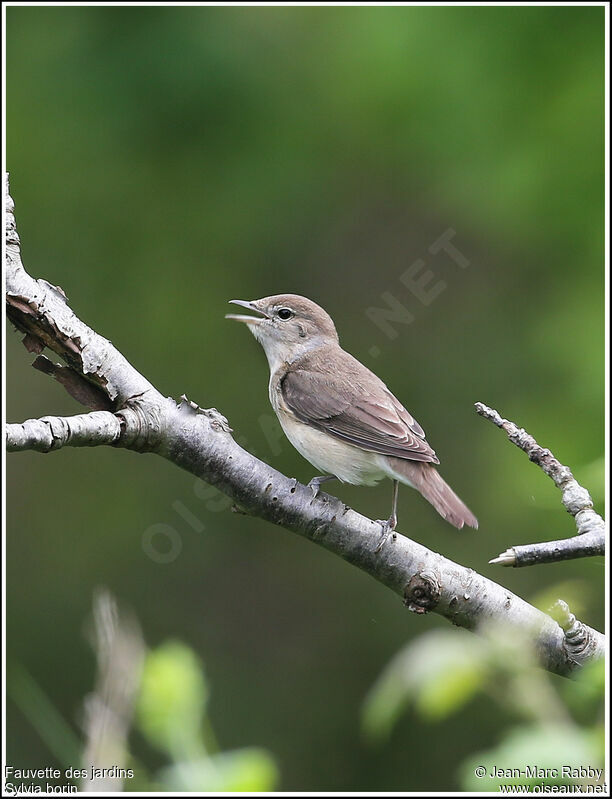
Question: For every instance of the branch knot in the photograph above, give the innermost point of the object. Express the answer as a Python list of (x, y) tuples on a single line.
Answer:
[(141, 425), (422, 592), (577, 637)]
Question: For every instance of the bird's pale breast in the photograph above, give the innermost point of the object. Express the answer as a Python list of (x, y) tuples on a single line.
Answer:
[(327, 454), (330, 456)]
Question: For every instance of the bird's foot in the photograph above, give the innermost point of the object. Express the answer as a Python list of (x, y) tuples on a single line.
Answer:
[(388, 527), (315, 484)]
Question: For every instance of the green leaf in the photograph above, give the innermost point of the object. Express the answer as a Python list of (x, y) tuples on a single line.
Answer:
[(244, 770), (172, 700), (552, 749), (439, 672), (449, 689)]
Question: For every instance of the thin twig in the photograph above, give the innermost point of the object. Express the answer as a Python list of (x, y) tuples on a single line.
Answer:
[(590, 538)]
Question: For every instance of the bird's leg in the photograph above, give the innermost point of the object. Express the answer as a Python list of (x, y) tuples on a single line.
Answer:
[(390, 524), (315, 484)]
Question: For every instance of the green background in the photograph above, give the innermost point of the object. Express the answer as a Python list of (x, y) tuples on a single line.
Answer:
[(166, 160)]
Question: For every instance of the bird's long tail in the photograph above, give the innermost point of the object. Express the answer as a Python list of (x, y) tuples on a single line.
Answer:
[(427, 481)]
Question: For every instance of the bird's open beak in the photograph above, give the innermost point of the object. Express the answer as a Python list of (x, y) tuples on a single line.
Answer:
[(253, 320)]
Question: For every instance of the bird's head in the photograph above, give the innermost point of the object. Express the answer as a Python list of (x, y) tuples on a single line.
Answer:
[(287, 325)]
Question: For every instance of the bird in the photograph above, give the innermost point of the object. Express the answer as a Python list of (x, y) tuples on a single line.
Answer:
[(338, 414)]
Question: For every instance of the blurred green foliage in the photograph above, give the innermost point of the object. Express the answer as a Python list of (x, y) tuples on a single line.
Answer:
[(62, 741), (167, 159), (438, 673), (246, 770), (551, 748), (173, 700), (171, 713)]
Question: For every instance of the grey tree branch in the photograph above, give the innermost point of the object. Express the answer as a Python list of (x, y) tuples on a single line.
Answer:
[(590, 538), (200, 442), (53, 432), (586, 545)]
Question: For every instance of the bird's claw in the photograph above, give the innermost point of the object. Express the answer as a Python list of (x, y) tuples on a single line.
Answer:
[(387, 528), (315, 485)]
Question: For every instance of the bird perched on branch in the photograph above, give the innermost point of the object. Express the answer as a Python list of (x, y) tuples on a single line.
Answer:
[(337, 413)]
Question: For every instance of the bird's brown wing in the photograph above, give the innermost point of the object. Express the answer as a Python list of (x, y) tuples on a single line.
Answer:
[(356, 407)]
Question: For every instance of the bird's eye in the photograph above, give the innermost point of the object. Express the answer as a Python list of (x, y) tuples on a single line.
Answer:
[(285, 313)]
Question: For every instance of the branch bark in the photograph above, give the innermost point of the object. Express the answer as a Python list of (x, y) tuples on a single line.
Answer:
[(590, 538), (200, 442), (54, 432)]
